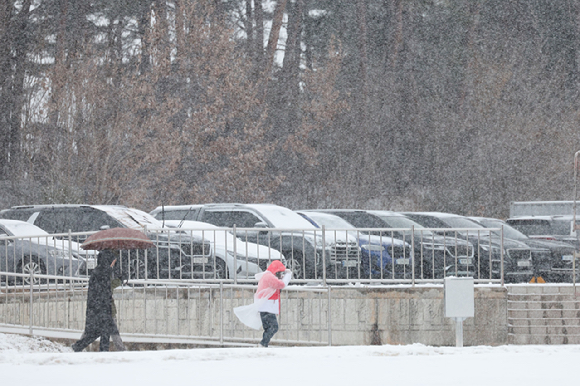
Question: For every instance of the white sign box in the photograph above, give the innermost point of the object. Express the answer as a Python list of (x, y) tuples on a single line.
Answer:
[(459, 298)]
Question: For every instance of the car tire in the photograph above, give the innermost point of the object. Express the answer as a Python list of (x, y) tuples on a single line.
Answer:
[(294, 262), (28, 265)]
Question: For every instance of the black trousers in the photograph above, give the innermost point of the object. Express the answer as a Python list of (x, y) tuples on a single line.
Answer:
[(270, 324), (89, 337), (94, 330)]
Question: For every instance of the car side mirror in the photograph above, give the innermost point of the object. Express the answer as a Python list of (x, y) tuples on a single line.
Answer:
[(103, 227), (6, 242), (260, 224)]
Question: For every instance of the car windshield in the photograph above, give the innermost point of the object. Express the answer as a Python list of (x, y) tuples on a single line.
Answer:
[(24, 229), (330, 221), (542, 227), (461, 222), (281, 217), (404, 222), (508, 231)]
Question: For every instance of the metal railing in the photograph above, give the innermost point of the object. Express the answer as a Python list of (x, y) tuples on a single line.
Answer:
[(325, 256), (184, 290), (170, 311)]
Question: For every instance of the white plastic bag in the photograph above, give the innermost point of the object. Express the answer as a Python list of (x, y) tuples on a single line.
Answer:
[(249, 314)]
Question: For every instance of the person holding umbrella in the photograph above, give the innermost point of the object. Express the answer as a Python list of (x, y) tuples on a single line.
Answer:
[(100, 320), (99, 317)]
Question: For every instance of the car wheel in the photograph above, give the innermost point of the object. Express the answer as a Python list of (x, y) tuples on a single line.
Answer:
[(294, 262), (31, 265), (221, 270)]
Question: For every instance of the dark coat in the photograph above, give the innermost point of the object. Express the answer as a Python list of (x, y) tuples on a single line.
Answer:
[(99, 317)]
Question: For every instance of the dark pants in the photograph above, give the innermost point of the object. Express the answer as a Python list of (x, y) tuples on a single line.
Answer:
[(270, 324), (89, 337)]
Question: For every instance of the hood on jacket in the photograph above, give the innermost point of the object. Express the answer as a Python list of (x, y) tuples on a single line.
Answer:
[(106, 257), (276, 266)]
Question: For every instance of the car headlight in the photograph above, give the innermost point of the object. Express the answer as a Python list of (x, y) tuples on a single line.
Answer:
[(316, 240), (373, 247), (493, 248), (436, 247), (243, 258)]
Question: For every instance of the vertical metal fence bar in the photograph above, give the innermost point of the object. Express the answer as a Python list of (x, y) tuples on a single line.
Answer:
[(329, 316), (412, 254), (502, 256), (324, 271), (31, 307), (235, 255), (221, 303)]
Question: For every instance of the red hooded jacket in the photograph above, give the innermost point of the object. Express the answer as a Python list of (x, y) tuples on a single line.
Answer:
[(268, 282)]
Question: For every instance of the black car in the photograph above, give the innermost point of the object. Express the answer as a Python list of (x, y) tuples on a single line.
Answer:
[(175, 256), (559, 268), (435, 256), (519, 259)]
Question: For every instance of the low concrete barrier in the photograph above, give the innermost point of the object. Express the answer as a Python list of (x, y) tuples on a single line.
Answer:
[(355, 315)]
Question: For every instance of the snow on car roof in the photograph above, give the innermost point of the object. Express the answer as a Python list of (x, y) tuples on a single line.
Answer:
[(130, 217), (282, 217), (22, 228)]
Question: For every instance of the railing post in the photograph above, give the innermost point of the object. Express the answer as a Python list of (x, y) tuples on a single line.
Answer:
[(329, 317), (412, 259), (323, 254), (235, 257), (70, 254), (501, 254), (31, 307), (221, 313)]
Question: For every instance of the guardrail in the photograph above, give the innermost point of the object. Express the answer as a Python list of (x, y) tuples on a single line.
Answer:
[(325, 256), (170, 311), (162, 302)]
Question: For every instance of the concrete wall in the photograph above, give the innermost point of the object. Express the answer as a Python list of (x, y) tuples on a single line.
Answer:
[(358, 315), (414, 315)]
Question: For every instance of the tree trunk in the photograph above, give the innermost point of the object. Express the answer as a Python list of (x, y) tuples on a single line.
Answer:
[(274, 35), (259, 42), (6, 37)]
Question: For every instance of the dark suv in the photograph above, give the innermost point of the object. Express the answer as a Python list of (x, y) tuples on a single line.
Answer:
[(303, 245), (435, 256), (559, 268), (174, 256), (519, 260)]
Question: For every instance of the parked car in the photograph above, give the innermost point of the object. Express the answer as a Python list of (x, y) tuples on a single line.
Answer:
[(559, 268), (298, 240), (560, 228), (519, 259), (382, 257), (243, 258), (541, 208), (435, 256), (175, 255), (26, 249)]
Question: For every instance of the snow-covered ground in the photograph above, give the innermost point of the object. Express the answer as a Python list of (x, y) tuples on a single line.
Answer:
[(30, 361)]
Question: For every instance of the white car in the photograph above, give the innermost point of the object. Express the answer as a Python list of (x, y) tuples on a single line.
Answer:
[(243, 259)]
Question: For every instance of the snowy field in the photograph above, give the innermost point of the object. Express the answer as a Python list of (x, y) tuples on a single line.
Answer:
[(29, 361)]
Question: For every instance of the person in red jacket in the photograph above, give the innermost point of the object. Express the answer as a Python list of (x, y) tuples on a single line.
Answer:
[(270, 283), (266, 301)]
